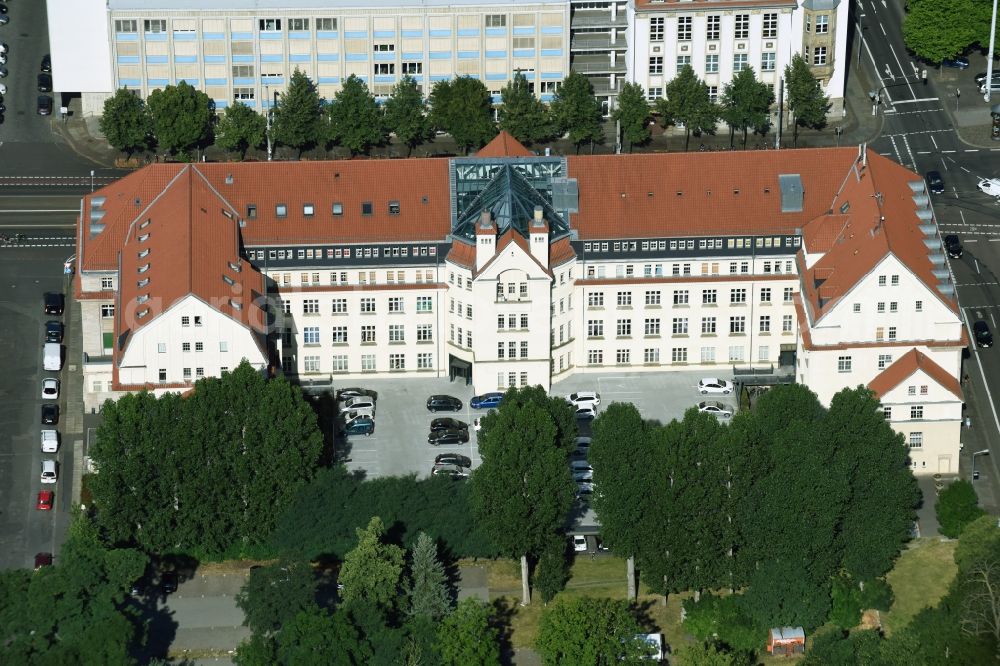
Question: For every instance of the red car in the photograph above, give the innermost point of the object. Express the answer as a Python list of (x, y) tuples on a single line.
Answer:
[(45, 499)]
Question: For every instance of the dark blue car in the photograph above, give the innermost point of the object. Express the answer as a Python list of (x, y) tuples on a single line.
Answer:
[(486, 401)]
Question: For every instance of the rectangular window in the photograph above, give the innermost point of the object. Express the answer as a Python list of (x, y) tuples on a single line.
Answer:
[(623, 356), (708, 325), (893, 306), (397, 333), (311, 363), (765, 324), (368, 363), (740, 62), (737, 324), (367, 305), (107, 283), (843, 364), (396, 304), (916, 440), (187, 374), (595, 300), (656, 65), (708, 354), (595, 328), (425, 361), (819, 55), (788, 295), (822, 24), (624, 299), (368, 333), (382, 69), (736, 353), (397, 362), (651, 355), (326, 24), (742, 26), (652, 298), (624, 327), (919, 306), (880, 306), (339, 305), (299, 24), (340, 363), (652, 326), (712, 63), (107, 311), (765, 295), (524, 349), (884, 361), (310, 306), (310, 335), (425, 332), (595, 357), (656, 28), (185, 346), (767, 62), (684, 28), (895, 281), (786, 324), (892, 332), (269, 24), (496, 20), (679, 326), (413, 68), (425, 304), (154, 25), (339, 335), (738, 295), (126, 25), (769, 29), (709, 296), (712, 26), (679, 355)]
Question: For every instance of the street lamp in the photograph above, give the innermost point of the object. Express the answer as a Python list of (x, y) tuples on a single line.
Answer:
[(984, 452), (91, 180)]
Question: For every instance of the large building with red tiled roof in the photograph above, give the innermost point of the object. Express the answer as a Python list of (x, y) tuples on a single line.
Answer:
[(510, 269)]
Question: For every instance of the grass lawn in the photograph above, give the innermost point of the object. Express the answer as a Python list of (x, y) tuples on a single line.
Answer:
[(599, 577), (920, 578)]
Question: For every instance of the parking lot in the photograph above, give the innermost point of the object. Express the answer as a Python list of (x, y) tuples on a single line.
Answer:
[(399, 445)]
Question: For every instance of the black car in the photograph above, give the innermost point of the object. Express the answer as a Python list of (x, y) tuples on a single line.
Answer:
[(50, 414), (53, 331), (953, 246), (44, 105), (958, 62), (168, 582), (453, 459), (446, 423), (935, 183), (981, 77), (54, 303), (981, 331), (44, 83), (450, 436), (443, 403), (46, 63)]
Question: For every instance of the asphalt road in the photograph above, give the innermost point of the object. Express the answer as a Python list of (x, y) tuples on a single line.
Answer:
[(918, 133)]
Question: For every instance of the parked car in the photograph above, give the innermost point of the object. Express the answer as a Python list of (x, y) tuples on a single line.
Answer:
[(347, 417), (583, 445), (443, 403), (584, 488), (981, 77), (981, 331), (584, 398), (46, 63), (50, 472), (580, 466), (50, 441), (355, 392), (44, 83), (935, 183), (486, 401), (53, 331), (715, 385), (44, 103), (50, 414), (953, 246), (43, 560), (168, 582), (449, 436), (45, 499), (716, 408), (359, 403), (454, 471), (363, 425), (585, 413), (958, 62), (583, 475), (579, 543), (990, 186), (54, 303), (453, 459), (50, 388), (447, 423)]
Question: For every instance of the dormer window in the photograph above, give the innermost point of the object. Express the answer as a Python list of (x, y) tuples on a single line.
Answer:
[(145, 224), (252, 211), (143, 238), (393, 208), (235, 305), (235, 267), (281, 210), (308, 209), (143, 268), (142, 283), (228, 280), (143, 253), (338, 208), (142, 298), (142, 313)]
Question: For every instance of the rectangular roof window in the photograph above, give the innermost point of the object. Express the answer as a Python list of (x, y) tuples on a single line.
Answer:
[(338, 208), (393, 208), (281, 210), (308, 209), (252, 211), (366, 208)]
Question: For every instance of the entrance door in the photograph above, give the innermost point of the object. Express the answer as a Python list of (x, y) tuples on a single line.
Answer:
[(944, 464)]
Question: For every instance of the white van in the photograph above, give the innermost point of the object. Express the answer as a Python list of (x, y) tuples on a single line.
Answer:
[(48, 471), (50, 441), (52, 356)]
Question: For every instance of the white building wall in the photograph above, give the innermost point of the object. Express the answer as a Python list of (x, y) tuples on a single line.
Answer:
[(159, 345), (930, 420)]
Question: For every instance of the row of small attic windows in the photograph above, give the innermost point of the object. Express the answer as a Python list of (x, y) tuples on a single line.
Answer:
[(337, 209), (703, 244)]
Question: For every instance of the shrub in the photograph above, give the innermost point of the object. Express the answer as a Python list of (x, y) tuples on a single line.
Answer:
[(956, 507)]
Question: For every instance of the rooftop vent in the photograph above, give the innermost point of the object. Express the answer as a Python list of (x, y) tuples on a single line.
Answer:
[(227, 213), (138, 202), (792, 192), (235, 266), (142, 313), (228, 280), (229, 179), (235, 305)]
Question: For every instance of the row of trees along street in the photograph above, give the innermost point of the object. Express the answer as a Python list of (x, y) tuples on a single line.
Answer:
[(938, 29), (180, 120)]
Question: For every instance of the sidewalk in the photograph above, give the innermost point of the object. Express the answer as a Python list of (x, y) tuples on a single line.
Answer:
[(964, 104), (84, 135)]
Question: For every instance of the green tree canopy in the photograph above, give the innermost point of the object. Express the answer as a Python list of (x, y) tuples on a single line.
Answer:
[(161, 460), (183, 117), (806, 100), (588, 630), (463, 108), (274, 594), (957, 506), (523, 490), (297, 122), (356, 121), (522, 114), (240, 128), (576, 112), (126, 122), (467, 636), (939, 29), (687, 102), (428, 586), (979, 542), (746, 103), (312, 637), (632, 111), (372, 571), (406, 114)]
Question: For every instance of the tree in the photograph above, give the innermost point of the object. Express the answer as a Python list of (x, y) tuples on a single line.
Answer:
[(587, 630), (428, 589), (687, 102), (467, 636), (979, 542), (371, 572), (297, 122), (240, 128), (312, 637), (523, 490), (957, 506), (125, 122), (746, 103), (806, 100), (981, 606), (552, 570), (576, 112), (406, 114), (632, 112), (522, 114), (463, 108), (939, 29), (274, 594), (183, 117), (708, 653), (356, 120)]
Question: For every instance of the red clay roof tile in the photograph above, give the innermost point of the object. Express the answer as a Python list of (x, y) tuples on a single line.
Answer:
[(905, 366), (504, 145)]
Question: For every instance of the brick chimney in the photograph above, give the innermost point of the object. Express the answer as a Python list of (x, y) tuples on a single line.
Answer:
[(486, 239), (538, 238)]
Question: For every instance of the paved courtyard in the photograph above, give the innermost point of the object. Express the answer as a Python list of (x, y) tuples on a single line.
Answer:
[(399, 445)]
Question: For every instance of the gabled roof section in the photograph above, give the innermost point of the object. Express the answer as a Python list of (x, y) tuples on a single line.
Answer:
[(511, 200), (462, 254), (873, 215), (905, 367), (504, 145), (503, 243)]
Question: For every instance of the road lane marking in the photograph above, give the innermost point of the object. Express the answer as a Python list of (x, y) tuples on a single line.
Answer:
[(40, 210), (921, 99)]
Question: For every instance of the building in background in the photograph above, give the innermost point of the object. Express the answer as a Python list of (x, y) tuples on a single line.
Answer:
[(509, 269)]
